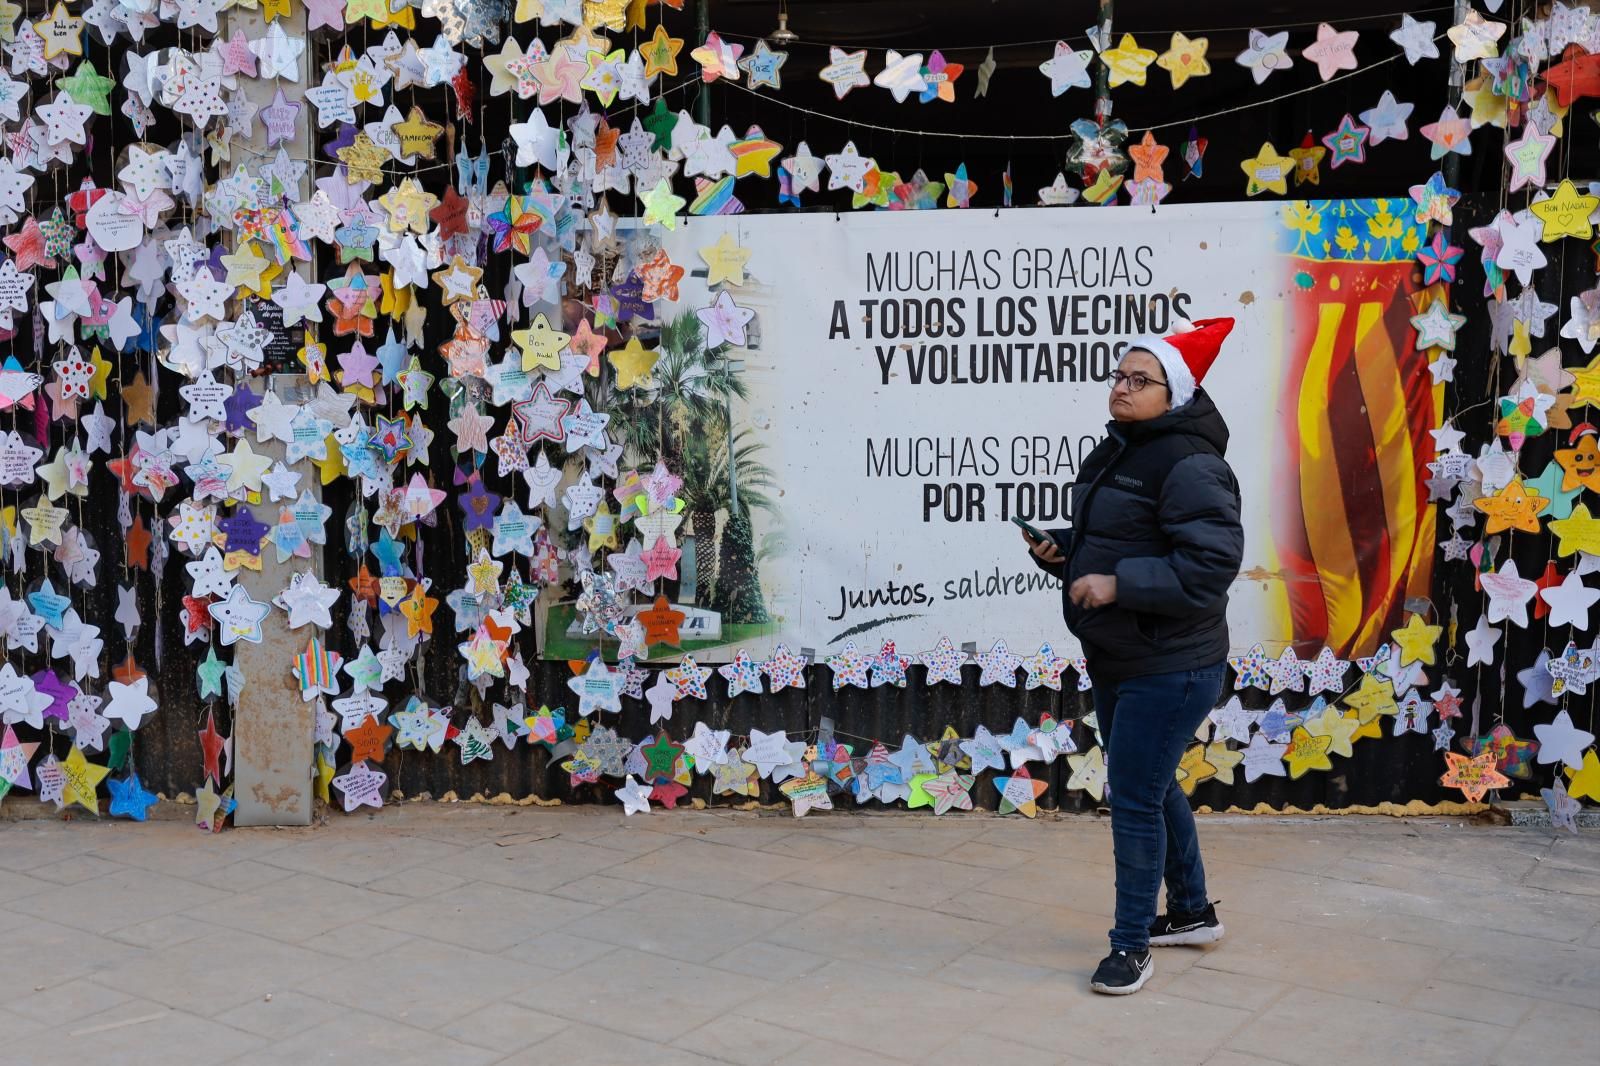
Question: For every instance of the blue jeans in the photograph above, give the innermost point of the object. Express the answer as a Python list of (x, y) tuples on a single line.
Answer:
[(1146, 723)]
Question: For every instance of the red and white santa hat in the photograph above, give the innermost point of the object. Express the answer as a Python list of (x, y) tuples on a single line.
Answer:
[(1186, 353)]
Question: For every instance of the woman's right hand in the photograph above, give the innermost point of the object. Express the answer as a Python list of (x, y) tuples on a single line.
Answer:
[(1046, 551)]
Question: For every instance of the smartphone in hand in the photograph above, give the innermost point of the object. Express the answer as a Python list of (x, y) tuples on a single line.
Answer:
[(1039, 535)]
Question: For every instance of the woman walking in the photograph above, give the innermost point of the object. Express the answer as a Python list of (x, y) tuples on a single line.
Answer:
[(1145, 569)]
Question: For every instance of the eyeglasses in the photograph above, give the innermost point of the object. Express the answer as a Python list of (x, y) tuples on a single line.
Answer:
[(1135, 381)]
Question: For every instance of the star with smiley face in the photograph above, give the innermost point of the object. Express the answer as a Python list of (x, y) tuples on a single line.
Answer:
[(1580, 462)]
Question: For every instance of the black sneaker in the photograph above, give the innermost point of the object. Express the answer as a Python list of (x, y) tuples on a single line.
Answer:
[(1172, 930), (1122, 973)]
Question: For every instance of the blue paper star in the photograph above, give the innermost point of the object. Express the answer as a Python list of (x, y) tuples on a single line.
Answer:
[(129, 799)]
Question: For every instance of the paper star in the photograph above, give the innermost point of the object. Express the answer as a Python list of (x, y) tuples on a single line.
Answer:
[(1067, 68), (1263, 758), (845, 71)]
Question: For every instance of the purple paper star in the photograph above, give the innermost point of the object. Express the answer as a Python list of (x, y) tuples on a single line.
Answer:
[(279, 118), (329, 13), (243, 532), (238, 407), (344, 136), (60, 693), (479, 505)]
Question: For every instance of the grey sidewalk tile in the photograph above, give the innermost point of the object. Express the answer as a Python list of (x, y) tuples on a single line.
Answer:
[(504, 1027), (1552, 1033), (891, 876), (295, 908), (484, 917), (599, 890), (422, 983), (138, 1034), (1326, 959), (1311, 1028), (415, 882), (1167, 1030), (1208, 985), (281, 1015), (744, 1041), (557, 951), (775, 962), (242, 876), (891, 935), (74, 868), (819, 1050), (642, 995), (903, 1017), (356, 940), (210, 974), (536, 865), (1006, 977), (1566, 974), (164, 932), (16, 886), (37, 955), (364, 860), (124, 897), (708, 869), (679, 925), (579, 1043), (967, 1048), (359, 1038), (67, 1003), (1439, 995), (787, 896)]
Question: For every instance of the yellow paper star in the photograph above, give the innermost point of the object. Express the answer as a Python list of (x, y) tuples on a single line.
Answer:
[(102, 373), (1373, 729), (82, 777), (408, 206), (313, 355), (244, 266), (62, 33), (1340, 730), (612, 14), (1268, 171), (1308, 164), (272, 11), (1513, 507), (541, 346), (331, 468), (417, 609), (1374, 697), (1127, 62), (1586, 383), (1586, 780), (528, 10), (1579, 531), (1488, 107), (725, 260), (1104, 187), (1416, 640), (602, 529), (363, 160), (661, 53), (1223, 759), (418, 136), (633, 363), (1184, 59), (324, 768), (1193, 769), (1566, 213), (1307, 752)]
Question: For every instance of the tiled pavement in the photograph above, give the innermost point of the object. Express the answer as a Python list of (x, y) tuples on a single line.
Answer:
[(465, 934)]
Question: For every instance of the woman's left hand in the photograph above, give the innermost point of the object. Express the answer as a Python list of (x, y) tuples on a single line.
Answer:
[(1094, 590)]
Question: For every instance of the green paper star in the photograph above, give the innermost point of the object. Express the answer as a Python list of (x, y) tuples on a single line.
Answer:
[(209, 674), (660, 123), (661, 758), (919, 796), (118, 747), (88, 87)]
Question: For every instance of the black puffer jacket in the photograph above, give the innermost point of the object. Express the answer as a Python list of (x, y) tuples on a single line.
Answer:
[(1157, 506)]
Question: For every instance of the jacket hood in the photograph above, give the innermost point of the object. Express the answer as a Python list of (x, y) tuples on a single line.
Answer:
[(1197, 418)]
